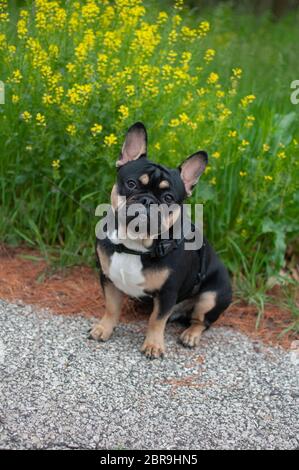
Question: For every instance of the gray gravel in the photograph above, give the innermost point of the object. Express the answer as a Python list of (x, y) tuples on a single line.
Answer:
[(60, 390)]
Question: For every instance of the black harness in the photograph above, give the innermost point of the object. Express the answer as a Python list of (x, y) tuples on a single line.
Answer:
[(201, 275), (162, 248), (159, 249)]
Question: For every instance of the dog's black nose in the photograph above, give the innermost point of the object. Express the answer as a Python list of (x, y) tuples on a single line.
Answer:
[(146, 201)]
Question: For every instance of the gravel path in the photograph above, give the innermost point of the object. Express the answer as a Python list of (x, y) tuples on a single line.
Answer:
[(59, 390)]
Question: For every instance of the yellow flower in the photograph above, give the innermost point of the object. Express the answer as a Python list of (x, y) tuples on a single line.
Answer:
[(243, 145), (22, 28), (79, 94), (220, 94), (86, 45), (203, 28), (157, 146), (174, 123), (28, 148), (70, 67), (180, 75), (162, 17), (213, 78), (213, 180), (188, 34), (130, 90), (177, 19), (123, 111), (56, 164), (96, 129), (172, 37), (209, 55), (282, 155), (40, 120), (102, 58), (184, 118), (247, 100), (15, 99), (232, 92), (26, 116), (53, 50), (171, 57), (232, 133), (268, 178), (186, 57), (12, 49), (110, 139), (145, 41), (3, 44), (216, 154), (243, 173), (224, 114), (16, 76), (178, 5), (169, 87), (237, 72), (90, 11), (71, 129), (266, 147), (201, 91), (4, 16), (46, 72), (249, 121), (47, 99)]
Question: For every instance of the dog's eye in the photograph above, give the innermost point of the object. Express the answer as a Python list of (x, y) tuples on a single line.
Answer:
[(168, 198), (131, 184)]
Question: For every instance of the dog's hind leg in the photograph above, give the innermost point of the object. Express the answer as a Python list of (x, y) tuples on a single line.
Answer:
[(181, 313), (206, 302)]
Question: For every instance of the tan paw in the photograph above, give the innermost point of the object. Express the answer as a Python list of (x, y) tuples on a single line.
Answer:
[(191, 337), (153, 350), (100, 332)]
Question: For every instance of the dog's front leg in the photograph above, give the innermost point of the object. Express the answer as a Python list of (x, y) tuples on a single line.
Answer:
[(102, 330), (153, 346)]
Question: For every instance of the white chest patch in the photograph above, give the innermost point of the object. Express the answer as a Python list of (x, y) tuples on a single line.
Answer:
[(125, 272)]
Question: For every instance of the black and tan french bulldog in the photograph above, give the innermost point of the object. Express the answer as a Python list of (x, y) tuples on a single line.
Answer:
[(191, 283)]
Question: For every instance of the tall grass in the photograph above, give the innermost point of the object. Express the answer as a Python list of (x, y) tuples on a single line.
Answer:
[(77, 74)]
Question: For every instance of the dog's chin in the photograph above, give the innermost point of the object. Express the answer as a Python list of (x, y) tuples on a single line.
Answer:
[(141, 227), (138, 229)]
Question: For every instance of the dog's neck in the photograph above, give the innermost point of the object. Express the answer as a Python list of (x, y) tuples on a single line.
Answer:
[(141, 245)]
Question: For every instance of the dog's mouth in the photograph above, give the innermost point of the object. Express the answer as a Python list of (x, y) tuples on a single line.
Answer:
[(138, 220), (143, 219)]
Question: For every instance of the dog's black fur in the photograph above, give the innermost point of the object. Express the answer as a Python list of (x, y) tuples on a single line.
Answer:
[(193, 284)]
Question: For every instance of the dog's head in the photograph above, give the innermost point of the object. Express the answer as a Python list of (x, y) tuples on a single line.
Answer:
[(143, 183)]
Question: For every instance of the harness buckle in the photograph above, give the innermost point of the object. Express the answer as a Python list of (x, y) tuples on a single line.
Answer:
[(162, 249)]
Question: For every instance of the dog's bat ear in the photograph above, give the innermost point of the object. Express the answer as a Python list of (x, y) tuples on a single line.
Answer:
[(135, 144), (192, 168)]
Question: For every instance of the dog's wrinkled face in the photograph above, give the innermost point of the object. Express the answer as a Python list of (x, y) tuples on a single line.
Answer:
[(149, 185)]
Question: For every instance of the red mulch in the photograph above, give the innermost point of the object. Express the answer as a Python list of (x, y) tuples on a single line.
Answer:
[(77, 291)]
